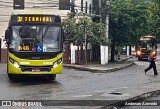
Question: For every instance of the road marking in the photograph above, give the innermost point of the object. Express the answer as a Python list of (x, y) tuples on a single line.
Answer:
[(83, 96)]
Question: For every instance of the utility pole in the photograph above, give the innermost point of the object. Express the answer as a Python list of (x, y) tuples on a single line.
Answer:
[(85, 36), (100, 9), (107, 27), (104, 49), (72, 6), (86, 8), (107, 18), (81, 5), (85, 33), (90, 8)]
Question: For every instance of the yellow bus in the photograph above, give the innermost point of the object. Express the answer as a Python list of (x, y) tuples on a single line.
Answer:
[(35, 45)]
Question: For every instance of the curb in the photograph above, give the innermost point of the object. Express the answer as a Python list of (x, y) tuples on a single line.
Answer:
[(99, 71), (85, 68), (126, 59), (136, 98)]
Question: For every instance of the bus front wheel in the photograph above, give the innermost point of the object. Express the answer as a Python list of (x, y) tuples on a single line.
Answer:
[(52, 77), (139, 59), (11, 77)]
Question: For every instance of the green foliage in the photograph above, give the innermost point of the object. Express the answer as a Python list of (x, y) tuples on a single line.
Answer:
[(154, 18), (157, 3), (128, 21), (95, 7), (75, 28)]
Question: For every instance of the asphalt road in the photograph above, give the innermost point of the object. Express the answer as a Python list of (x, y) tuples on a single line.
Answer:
[(154, 102), (71, 84), (76, 85)]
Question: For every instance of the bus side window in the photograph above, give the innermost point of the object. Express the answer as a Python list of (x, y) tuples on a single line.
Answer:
[(155, 46)]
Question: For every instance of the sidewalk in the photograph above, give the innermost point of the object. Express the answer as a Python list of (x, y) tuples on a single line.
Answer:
[(98, 68), (135, 94), (125, 94)]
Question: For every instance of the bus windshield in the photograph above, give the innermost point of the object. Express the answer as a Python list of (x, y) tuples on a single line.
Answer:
[(149, 44), (35, 38)]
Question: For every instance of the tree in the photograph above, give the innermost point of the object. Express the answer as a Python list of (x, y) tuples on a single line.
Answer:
[(128, 21), (131, 19), (157, 2), (75, 31), (154, 18)]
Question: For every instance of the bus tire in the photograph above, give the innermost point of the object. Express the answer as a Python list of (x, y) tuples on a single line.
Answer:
[(52, 77), (11, 76), (139, 59)]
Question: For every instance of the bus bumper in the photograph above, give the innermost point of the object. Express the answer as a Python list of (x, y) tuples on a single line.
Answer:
[(142, 56), (32, 70)]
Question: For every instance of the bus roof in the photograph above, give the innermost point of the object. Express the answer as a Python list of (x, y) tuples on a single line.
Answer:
[(148, 37)]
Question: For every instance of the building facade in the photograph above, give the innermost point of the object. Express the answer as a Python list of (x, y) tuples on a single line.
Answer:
[(49, 6)]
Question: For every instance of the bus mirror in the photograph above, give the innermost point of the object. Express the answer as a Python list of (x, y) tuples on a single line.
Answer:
[(155, 46), (7, 36)]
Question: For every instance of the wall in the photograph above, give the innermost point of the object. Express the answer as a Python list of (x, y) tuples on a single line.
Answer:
[(38, 6)]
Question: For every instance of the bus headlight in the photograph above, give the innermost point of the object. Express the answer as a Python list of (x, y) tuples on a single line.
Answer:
[(57, 62), (138, 52), (15, 63), (154, 52)]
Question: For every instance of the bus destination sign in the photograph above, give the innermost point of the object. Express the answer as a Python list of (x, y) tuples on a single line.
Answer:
[(46, 19)]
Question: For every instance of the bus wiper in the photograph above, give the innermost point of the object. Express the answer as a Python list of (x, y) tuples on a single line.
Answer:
[(45, 32)]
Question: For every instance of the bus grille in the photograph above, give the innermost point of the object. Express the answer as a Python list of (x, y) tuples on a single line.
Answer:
[(35, 68)]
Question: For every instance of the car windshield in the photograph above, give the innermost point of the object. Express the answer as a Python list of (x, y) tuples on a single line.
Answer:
[(35, 38)]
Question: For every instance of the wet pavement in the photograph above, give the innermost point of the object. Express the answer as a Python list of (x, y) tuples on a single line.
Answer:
[(140, 91), (125, 84)]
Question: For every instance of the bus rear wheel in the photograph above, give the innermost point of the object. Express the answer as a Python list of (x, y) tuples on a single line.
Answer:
[(52, 77)]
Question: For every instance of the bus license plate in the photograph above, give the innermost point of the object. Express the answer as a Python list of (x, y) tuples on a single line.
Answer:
[(36, 69)]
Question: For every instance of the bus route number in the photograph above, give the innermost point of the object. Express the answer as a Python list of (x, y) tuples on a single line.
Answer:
[(25, 48)]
